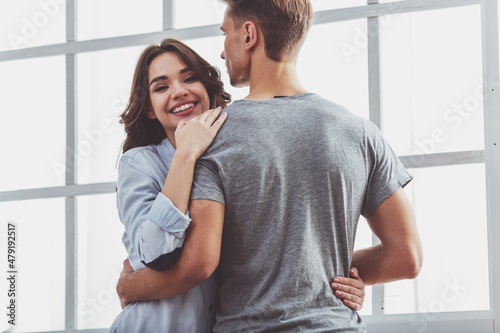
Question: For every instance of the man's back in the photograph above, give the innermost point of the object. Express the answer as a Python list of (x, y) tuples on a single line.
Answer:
[(295, 174)]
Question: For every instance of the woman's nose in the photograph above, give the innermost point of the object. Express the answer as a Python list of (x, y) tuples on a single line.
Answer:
[(179, 90)]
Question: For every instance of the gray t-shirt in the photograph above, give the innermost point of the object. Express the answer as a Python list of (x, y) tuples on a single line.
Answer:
[(294, 174)]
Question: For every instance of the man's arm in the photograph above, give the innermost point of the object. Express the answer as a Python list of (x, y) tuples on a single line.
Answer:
[(199, 259), (399, 255)]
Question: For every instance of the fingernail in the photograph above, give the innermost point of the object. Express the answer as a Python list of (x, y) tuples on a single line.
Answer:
[(336, 280), (338, 293), (334, 285)]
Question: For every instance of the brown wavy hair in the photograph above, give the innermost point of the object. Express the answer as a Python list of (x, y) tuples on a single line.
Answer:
[(141, 130), (284, 23)]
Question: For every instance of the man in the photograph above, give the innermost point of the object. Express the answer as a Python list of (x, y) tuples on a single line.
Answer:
[(288, 175)]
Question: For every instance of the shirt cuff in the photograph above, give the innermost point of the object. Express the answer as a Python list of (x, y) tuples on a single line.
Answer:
[(164, 214)]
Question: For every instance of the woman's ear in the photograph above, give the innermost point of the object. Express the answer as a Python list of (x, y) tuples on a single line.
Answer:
[(150, 114)]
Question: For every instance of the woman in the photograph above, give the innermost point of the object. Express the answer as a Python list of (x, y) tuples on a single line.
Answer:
[(168, 128)]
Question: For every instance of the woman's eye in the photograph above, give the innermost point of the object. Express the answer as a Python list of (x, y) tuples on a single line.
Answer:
[(161, 88), (190, 79)]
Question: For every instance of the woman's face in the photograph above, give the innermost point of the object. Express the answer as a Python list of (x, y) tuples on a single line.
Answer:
[(176, 92)]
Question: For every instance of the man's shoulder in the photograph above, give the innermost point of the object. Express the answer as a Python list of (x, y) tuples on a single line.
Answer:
[(310, 99), (301, 108)]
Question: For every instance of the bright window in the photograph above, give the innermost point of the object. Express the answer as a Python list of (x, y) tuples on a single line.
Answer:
[(110, 18), (32, 129), (32, 23)]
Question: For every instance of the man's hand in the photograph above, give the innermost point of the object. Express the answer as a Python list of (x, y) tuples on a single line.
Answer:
[(127, 269), (352, 290)]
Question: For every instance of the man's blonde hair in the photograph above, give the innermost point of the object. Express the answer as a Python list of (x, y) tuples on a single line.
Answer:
[(284, 23)]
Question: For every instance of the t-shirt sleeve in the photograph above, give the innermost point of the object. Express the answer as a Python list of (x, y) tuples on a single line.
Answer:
[(207, 183), (387, 173)]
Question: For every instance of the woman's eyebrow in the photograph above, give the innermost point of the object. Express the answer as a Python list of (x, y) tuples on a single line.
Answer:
[(164, 77), (158, 78)]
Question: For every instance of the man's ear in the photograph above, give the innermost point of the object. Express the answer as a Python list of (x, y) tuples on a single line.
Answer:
[(251, 35)]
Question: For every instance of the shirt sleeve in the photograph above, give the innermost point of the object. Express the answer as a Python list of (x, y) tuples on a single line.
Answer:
[(154, 226), (387, 173), (207, 183)]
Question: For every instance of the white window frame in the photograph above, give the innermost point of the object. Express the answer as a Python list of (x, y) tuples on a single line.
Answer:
[(468, 321)]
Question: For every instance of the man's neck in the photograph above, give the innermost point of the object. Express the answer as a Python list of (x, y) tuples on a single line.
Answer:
[(270, 79)]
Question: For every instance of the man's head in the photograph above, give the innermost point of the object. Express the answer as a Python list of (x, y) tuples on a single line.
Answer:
[(283, 23)]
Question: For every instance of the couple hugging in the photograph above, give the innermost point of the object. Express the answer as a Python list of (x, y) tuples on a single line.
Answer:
[(242, 218)]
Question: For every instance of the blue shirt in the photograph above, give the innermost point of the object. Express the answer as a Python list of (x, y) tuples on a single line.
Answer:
[(154, 234)]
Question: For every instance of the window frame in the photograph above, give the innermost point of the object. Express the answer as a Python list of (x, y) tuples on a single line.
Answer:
[(468, 321)]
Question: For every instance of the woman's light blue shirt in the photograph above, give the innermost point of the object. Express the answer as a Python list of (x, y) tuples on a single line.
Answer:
[(154, 234)]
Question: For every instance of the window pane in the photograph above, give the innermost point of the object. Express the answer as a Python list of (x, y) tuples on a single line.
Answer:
[(431, 81), (104, 81), (111, 18), (333, 63), (329, 4), (212, 11), (31, 23), (33, 126), (100, 257), (207, 12), (450, 208), (40, 263)]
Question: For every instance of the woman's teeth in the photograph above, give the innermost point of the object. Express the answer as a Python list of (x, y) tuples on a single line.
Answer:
[(183, 107)]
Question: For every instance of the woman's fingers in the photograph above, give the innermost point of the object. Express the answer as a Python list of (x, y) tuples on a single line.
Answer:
[(181, 124), (345, 287), (353, 305), (194, 136), (210, 115), (218, 123), (351, 300), (209, 119), (352, 290), (354, 273), (349, 285)]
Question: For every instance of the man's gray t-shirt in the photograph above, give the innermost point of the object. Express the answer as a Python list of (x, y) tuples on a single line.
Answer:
[(294, 174)]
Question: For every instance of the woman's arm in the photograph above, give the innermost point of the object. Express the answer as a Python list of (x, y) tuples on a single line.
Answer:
[(201, 249), (156, 222), (192, 138)]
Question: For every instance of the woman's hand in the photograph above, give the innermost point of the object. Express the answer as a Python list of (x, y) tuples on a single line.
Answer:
[(352, 290), (194, 136)]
